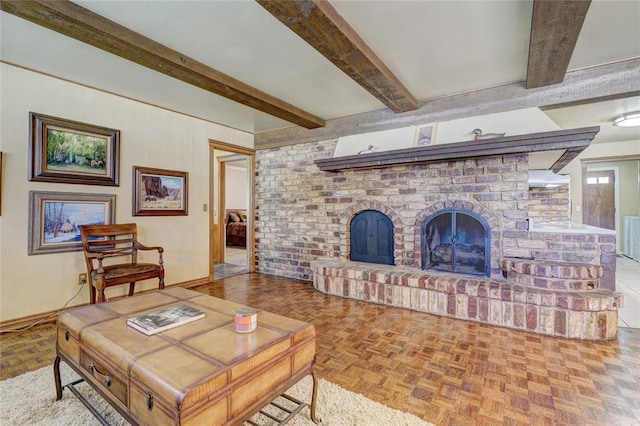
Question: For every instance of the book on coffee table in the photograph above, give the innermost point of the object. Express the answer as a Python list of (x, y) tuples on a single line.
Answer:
[(165, 319)]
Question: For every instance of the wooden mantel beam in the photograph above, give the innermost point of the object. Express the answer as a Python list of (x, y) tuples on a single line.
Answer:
[(555, 27), (571, 142), (88, 27), (318, 23)]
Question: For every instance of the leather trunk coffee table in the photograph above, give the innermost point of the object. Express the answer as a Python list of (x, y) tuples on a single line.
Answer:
[(203, 372)]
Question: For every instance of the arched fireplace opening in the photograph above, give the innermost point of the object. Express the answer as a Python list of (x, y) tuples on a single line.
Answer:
[(371, 238), (456, 240)]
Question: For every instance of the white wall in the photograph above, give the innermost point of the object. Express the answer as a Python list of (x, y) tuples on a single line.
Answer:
[(237, 186), (512, 123), (383, 140), (150, 137)]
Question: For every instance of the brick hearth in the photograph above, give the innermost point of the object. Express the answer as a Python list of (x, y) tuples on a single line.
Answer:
[(587, 315)]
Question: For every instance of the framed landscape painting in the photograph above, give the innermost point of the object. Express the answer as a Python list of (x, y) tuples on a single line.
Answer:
[(55, 217), (68, 151), (158, 192)]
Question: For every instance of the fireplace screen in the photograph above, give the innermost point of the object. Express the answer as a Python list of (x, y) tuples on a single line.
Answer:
[(456, 240)]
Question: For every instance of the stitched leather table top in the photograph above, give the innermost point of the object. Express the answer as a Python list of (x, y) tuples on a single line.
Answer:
[(200, 367)]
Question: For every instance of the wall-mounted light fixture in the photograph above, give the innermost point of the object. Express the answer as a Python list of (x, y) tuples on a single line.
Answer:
[(629, 119)]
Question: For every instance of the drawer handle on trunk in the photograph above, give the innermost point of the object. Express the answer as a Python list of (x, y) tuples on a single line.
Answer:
[(149, 400), (66, 335), (93, 369)]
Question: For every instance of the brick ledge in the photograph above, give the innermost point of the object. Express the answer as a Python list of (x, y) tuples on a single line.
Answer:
[(587, 315)]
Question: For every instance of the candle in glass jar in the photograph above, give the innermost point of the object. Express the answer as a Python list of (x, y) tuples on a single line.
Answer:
[(246, 320)]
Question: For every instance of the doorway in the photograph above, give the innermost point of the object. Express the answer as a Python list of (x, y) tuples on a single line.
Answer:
[(600, 198), (231, 218), (626, 172), (597, 184)]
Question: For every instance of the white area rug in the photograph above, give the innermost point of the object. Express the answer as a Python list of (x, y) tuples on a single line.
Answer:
[(29, 399)]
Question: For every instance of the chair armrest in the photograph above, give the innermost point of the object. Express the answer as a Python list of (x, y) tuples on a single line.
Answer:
[(139, 246), (99, 256)]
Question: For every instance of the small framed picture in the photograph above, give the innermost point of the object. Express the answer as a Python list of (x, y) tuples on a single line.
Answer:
[(66, 151), (55, 217), (425, 135), (158, 192)]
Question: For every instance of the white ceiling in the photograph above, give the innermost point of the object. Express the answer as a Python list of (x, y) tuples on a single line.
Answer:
[(436, 48)]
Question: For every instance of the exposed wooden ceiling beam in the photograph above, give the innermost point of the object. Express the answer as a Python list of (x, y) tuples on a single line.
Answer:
[(318, 23), (619, 79), (82, 24), (555, 27), (611, 97)]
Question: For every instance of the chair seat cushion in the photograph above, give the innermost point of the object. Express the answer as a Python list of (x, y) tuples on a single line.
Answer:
[(113, 272)]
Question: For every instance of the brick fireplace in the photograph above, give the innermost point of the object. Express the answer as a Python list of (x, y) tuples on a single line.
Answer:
[(303, 220)]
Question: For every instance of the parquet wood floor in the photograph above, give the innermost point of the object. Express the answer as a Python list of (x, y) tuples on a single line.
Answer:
[(446, 371)]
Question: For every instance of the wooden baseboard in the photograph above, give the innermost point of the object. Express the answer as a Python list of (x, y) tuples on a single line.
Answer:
[(192, 283), (50, 317)]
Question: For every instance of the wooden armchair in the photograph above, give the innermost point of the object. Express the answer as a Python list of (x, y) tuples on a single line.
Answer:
[(111, 254)]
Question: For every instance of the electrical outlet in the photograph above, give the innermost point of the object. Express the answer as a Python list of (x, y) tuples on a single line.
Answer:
[(82, 279)]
